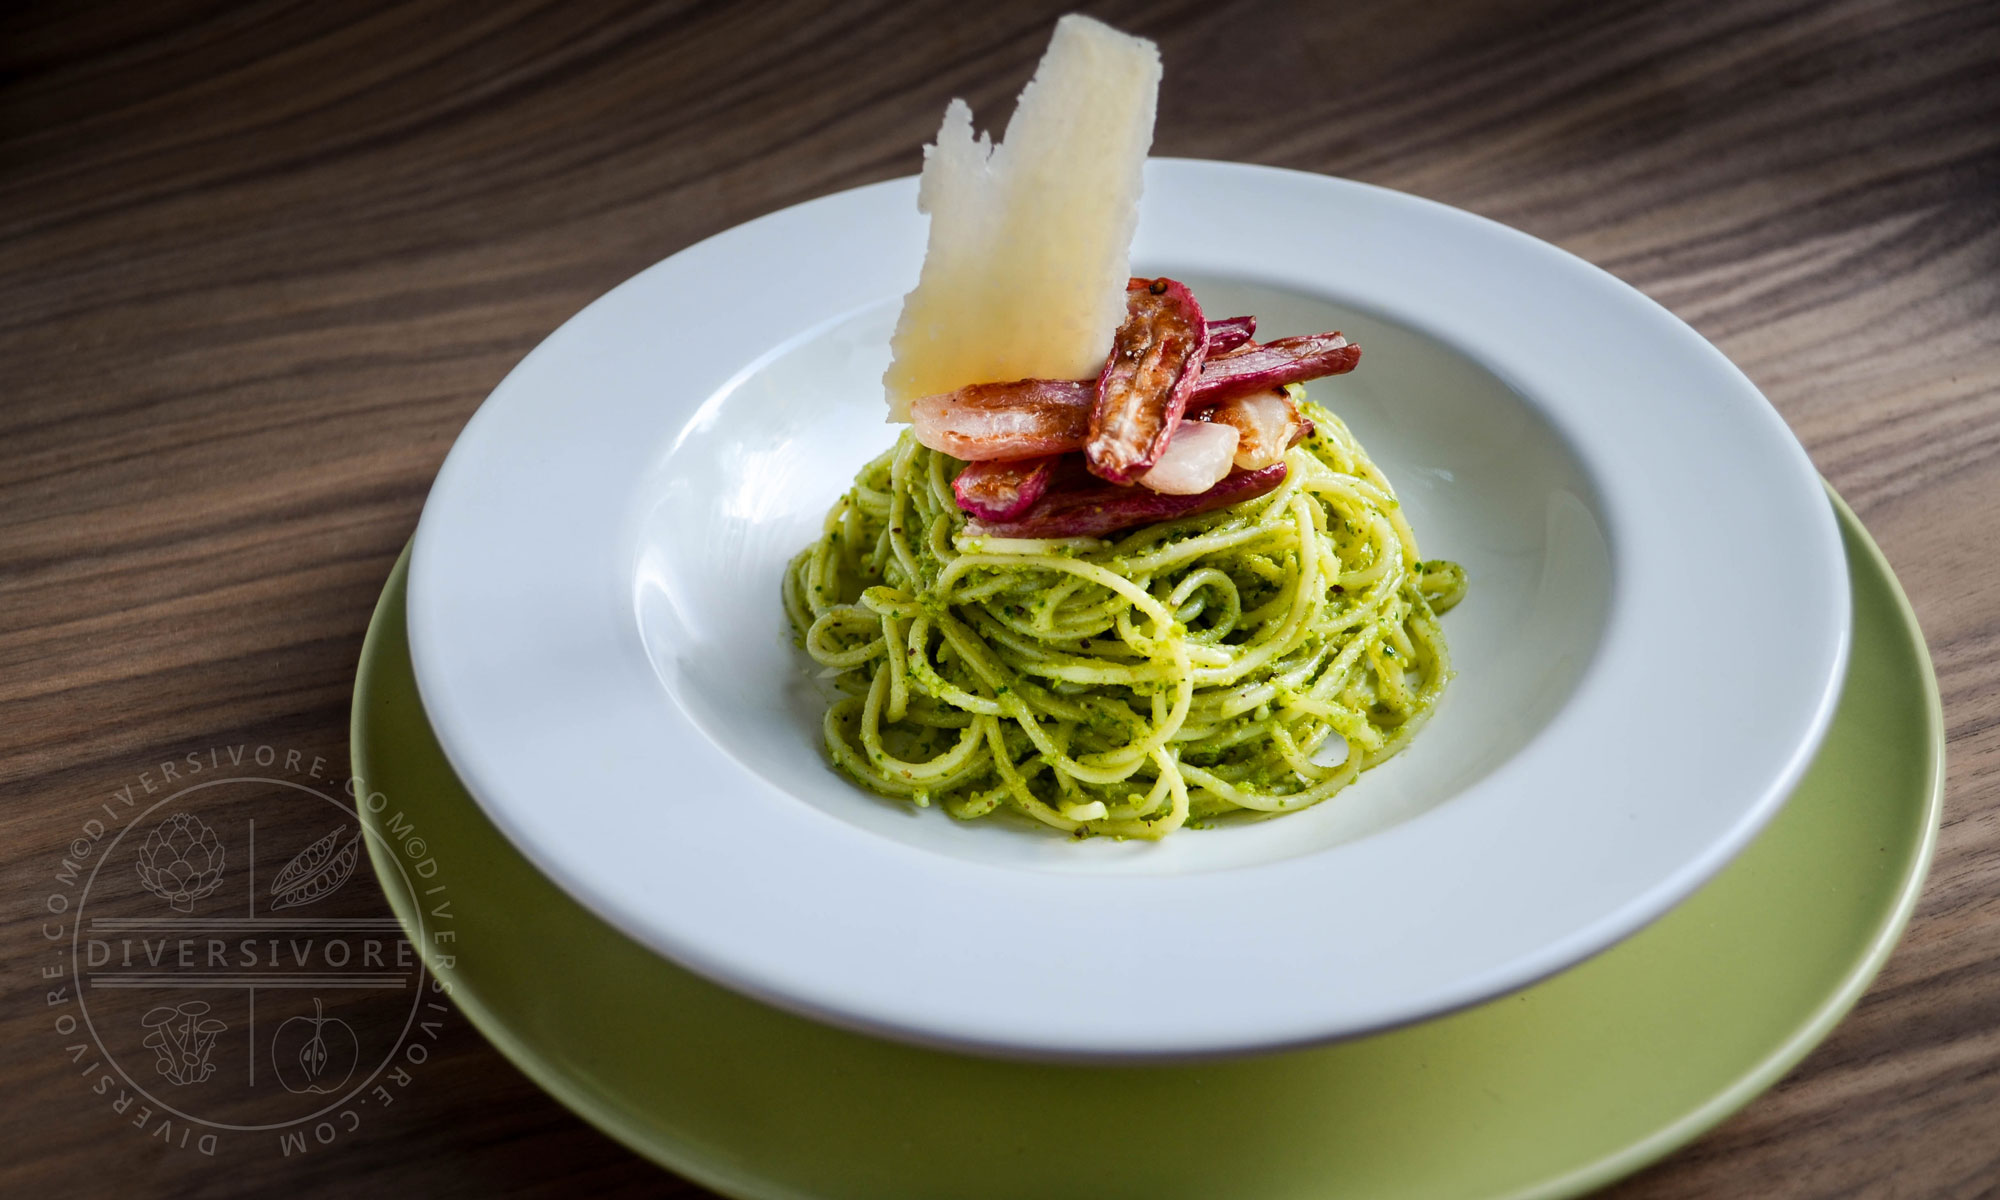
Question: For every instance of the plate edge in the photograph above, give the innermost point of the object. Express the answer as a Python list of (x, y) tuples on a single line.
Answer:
[(1632, 1159)]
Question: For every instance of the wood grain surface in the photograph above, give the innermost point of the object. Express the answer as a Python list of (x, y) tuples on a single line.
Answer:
[(259, 262)]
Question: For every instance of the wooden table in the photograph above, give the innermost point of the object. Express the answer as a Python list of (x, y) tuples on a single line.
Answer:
[(259, 262)]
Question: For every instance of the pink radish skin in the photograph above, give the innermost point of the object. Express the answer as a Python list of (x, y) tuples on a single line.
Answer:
[(1229, 333), (1002, 491), (1155, 361), (1096, 509), (1255, 368)]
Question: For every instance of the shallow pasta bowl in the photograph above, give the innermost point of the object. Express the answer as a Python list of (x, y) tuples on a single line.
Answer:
[(1648, 655)]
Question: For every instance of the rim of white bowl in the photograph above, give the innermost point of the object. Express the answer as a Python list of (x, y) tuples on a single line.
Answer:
[(1679, 743)]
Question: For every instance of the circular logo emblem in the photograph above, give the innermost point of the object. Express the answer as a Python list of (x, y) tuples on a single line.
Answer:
[(227, 980)]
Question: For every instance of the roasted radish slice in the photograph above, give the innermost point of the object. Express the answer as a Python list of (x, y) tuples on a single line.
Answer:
[(1155, 360), (1001, 491), (1230, 332), (1093, 509), (1197, 459), (1255, 368), (1266, 424), (1024, 419)]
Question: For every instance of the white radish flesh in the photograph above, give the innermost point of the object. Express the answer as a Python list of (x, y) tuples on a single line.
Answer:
[(1265, 425), (1197, 459)]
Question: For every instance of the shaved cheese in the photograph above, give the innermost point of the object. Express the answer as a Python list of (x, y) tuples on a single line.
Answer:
[(1030, 241)]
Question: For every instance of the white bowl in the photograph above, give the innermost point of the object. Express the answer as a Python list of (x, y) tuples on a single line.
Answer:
[(1648, 654)]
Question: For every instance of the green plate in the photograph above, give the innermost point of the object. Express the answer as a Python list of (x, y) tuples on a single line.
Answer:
[(1547, 1092)]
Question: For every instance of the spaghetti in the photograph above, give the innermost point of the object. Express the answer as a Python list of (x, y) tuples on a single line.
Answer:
[(1254, 659)]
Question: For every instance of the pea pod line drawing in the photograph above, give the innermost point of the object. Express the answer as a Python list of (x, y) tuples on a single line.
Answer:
[(317, 871)]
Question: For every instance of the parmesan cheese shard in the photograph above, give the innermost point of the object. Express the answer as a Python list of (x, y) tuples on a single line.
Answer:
[(1030, 240)]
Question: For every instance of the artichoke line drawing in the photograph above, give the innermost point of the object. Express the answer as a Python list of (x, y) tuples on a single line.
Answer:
[(317, 871), (181, 861)]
